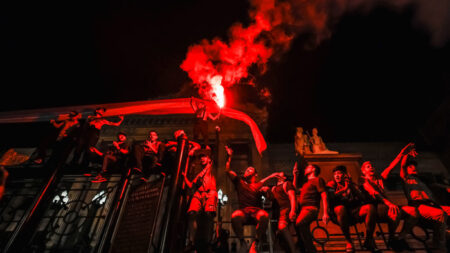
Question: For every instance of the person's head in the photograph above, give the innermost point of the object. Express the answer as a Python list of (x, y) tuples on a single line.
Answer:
[(249, 173), (411, 167), (100, 111), (178, 133), (205, 159), (121, 136), (367, 169), (339, 173), (299, 130), (312, 168), (315, 131), (152, 136)]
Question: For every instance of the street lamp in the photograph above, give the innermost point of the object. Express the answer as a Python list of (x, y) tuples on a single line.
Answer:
[(223, 198)]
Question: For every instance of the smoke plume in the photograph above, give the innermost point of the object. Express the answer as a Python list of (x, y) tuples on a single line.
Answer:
[(273, 26)]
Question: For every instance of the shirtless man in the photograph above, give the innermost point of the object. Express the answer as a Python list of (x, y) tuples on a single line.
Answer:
[(90, 136)]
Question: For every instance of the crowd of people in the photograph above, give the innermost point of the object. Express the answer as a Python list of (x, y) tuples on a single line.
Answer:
[(299, 201), (343, 201)]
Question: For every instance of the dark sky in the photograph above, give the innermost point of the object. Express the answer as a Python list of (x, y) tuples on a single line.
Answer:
[(377, 78)]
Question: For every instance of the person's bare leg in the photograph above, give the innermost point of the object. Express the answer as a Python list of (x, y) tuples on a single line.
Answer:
[(343, 222), (237, 223)]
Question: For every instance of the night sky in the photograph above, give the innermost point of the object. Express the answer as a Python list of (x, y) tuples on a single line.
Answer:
[(378, 78)]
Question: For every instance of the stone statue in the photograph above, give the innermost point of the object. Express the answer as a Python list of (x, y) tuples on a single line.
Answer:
[(301, 143), (318, 146)]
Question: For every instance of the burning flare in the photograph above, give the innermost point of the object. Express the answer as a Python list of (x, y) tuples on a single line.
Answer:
[(217, 90)]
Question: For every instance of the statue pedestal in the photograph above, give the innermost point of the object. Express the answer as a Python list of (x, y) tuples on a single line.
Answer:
[(327, 162)]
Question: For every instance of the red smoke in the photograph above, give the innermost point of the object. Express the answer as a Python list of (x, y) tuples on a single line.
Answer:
[(274, 23), (213, 59), (273, 26)]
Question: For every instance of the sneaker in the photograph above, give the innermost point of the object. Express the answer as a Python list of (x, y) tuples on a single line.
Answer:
[(349, 248), (98, 179)]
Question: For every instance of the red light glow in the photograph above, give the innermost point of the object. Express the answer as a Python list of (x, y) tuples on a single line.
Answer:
[(217, 91)]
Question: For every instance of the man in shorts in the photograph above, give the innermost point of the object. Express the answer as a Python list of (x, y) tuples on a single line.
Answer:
[(249, 198), (204, 198), (347, 205)]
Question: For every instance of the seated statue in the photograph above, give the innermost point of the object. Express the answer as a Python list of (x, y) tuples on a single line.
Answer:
[(301, 143), (318, 146)]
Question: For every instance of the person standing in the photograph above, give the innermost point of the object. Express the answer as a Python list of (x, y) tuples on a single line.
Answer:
[(204, 197), (311, 194), (284, 195)]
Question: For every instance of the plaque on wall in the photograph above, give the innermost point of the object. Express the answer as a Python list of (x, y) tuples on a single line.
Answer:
[(134, 233)]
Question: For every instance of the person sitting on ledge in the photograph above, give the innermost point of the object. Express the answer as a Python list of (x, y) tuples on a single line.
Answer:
[(148, 155), (373, 186), (421, 197), (89, 137), (115, 155), (249, 197), (348, 205)]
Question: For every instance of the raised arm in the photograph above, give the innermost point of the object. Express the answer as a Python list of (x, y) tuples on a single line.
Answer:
[(273, 175), (397, 159), (194, 147), (403, 168), (403, 173), (228, 170), (110, 123)]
